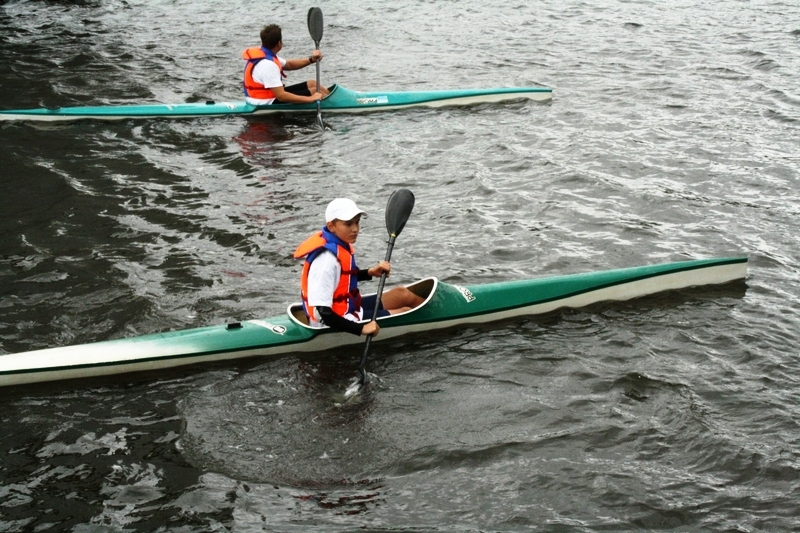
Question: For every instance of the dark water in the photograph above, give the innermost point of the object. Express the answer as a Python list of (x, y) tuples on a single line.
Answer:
[(673, 134)]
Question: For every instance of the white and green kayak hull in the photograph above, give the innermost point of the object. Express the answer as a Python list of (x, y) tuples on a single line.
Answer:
[(340, 100), (445, 306)]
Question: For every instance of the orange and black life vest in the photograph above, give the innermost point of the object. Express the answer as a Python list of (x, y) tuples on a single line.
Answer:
[(252, 88), (346, 297)]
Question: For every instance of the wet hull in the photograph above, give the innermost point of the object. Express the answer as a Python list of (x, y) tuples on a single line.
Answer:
[(341, 100), (445, 306)]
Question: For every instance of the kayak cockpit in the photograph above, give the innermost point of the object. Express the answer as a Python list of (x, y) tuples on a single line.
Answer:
[(424, 288)]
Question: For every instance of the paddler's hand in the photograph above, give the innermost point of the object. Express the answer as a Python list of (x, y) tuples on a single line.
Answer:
[(379, 269), (316, 56), (316, 96), (370, 328)]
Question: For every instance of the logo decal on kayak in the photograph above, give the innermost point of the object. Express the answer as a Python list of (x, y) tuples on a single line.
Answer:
[(373, 100), (465, 292), (274, 328)]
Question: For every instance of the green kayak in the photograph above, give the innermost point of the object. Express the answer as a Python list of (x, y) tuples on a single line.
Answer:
[(445, 306), (340, 100)]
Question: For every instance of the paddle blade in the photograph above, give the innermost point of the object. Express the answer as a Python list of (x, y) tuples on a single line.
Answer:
[(315, 24), (398, 209)]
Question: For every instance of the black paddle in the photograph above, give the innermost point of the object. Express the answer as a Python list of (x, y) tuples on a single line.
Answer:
[(398, 209), (315, 29)]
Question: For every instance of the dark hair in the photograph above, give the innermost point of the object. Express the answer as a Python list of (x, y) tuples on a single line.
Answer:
[(270, 36)]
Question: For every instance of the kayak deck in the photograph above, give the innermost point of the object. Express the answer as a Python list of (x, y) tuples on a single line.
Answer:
[(340, 100), (445, 306)]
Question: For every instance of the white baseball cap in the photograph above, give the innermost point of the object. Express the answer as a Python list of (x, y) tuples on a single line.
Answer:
[(342, 209)]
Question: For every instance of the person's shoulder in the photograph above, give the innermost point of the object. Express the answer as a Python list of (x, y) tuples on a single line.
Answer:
[(327, 256), (325, 262), (266, 64), (326, 259), (271, 64), (324, 255)]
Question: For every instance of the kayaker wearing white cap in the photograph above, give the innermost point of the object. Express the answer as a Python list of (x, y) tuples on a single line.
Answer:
[(329, 281)]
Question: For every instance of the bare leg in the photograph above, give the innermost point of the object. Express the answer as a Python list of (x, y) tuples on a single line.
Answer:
[(312, 88), (399, 300)]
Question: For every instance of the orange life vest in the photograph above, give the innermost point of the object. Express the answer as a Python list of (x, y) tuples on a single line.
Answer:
[(252, 88), (346, 297)]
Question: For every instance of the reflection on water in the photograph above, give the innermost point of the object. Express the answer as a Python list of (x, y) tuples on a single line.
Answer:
[(286, 422), (258, 138)]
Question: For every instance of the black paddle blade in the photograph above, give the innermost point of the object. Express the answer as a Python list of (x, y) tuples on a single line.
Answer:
[(398, 209), (315, 24)]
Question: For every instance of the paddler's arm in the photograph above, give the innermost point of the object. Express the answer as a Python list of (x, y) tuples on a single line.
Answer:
[(334, 321), (302, 62)]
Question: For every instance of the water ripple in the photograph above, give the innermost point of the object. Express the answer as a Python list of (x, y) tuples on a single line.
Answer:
[(671, 135)]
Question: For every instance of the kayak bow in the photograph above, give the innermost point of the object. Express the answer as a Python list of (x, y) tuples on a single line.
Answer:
[(445, 306), (340, 100)]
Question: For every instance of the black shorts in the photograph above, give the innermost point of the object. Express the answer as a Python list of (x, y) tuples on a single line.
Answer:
[(368, 305), (300, 89)]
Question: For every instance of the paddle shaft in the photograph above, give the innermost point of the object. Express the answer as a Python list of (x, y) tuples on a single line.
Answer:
[(381, 283), (319, 102), (315, 28)]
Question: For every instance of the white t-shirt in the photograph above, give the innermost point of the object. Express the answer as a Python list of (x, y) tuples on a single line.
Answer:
[(323, 277), (267, 73)]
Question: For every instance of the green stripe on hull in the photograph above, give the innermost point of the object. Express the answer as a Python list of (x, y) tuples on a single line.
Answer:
[(513, 298), (445, 306), (340, 100)]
